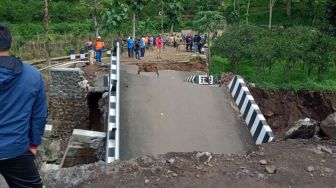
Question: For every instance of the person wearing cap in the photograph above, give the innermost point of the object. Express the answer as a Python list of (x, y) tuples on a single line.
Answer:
[(23, 113), (99, 44)]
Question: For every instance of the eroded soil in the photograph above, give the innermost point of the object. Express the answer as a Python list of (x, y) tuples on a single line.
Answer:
[(282, 108)]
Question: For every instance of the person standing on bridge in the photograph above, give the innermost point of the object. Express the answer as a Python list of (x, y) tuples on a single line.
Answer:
[(130, 47), (143, 46), (23, 113), (100, 45), (89, 46), (137, 48), (159, 44)]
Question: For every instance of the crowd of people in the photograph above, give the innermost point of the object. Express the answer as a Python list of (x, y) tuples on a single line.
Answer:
[(137, 47)]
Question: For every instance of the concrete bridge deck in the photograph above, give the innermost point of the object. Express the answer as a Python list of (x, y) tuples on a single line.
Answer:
[(165, 114)]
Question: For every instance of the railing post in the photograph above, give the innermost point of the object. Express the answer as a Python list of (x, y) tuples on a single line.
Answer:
[(112, 138)]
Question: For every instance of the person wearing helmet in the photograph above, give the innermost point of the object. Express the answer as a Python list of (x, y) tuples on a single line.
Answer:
[(99, 49)]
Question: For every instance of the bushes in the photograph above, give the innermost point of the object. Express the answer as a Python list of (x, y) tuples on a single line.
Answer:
[(305, 47)]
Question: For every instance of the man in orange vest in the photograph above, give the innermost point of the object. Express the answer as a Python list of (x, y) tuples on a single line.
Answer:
[(99, 48)]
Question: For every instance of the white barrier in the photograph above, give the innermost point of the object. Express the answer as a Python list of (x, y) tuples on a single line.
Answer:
[(254, 119), (112, 145)]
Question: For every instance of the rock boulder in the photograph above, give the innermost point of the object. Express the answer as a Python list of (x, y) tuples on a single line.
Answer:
[(303, 129), (328, 126)]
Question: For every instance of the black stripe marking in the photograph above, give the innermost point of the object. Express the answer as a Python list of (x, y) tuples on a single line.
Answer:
[(114, 85), (111, 152), (237, 92), (240, 105), (113, 105), (233, 84), (114, 71), (266, 138), (247, 109), (253, 117), (112, 134), (112, 119), (257, 132)]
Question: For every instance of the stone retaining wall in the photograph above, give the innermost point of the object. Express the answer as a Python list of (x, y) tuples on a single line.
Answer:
[(68, 108)]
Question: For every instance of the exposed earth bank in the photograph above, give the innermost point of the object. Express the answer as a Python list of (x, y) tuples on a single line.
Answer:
[(283, 108)]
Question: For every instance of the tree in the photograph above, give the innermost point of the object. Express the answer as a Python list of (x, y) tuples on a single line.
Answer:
[(248, 11), (136, 6), (209, 22), (208, 5), (321, 54), (263, 52), (173, 12), (96, 9), (236, 43), (271, 5), (113, 14), (289, 8)]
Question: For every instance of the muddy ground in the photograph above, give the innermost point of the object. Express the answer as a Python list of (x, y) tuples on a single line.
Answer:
[(291, 163)]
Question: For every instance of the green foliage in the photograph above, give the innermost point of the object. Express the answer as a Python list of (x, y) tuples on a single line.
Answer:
[(148, 27), (137, 5), (208, 5), (71, 11), (20, 11), (273, 79), (114, 14), (304, 48), (234, 43), (209, 21), (173, 12)]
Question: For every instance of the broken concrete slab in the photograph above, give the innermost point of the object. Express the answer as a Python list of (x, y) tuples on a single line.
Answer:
[(86, 136), (84, 147)]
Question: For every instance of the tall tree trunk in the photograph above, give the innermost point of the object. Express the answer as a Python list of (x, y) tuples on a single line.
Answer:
[(133, 21), (172, 28), (289, 8), (94, 16), (247, 11), (270, 14), (238, 5), (46, 31)]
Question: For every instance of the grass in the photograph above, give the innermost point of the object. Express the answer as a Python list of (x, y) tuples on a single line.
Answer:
[(297, 80)]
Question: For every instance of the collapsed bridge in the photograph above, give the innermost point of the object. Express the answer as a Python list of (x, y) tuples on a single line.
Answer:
[(118, 114)]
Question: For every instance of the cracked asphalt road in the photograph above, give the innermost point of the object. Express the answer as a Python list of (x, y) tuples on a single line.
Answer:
[(165, 114)]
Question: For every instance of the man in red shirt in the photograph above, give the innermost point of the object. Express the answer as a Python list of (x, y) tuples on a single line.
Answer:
[(159, 44)]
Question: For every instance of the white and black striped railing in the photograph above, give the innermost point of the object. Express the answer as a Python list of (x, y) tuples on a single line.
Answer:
[(113, 128), (254, 119)]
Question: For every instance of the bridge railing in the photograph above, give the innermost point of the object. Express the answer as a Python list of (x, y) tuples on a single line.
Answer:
[(113, 120)]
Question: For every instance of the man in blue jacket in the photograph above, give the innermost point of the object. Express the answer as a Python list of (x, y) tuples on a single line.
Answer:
[(130, 46), (23, 114)]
